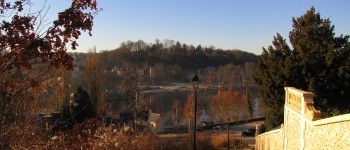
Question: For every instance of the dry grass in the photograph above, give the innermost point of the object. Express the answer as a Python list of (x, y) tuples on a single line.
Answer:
[(220, 140), (90, 135), (205, 141)]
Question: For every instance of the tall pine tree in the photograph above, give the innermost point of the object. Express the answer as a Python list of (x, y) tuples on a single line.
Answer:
[(318, 62)]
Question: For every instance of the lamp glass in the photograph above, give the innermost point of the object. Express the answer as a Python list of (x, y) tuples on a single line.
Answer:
[(195, 84)]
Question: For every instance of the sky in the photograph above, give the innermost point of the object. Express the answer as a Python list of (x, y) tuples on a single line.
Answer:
[(248, 25)]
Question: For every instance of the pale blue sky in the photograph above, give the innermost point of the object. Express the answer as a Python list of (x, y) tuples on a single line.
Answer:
[(248, 25)]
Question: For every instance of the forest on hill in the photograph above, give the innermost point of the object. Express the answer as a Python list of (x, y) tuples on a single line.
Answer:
[(169, 52), (172, 61)]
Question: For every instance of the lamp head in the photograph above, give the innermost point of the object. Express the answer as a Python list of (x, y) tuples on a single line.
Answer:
[(195, 81)]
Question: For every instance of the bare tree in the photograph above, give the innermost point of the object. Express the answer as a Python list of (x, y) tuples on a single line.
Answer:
[(93, 73), (228, 106), (175, 107), (188, 111)]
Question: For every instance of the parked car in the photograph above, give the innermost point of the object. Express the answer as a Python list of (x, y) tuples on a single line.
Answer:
[(219, 127), (249, 132)]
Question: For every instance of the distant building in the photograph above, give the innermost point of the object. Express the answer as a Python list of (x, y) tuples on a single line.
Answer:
[(155, 123), (118, 70), (152, 72), (204, 117)]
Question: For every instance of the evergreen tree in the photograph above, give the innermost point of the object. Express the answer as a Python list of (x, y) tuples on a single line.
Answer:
[(84, 108), (271, 77), (318, 62)]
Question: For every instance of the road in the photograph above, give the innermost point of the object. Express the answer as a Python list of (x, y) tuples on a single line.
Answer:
[(235, 132)]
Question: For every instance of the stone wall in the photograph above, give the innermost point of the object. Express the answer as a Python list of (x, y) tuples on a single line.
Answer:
[(270, 140), (303, 128), (330, 133)]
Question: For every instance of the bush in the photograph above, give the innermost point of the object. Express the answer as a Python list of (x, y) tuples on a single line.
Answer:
[(84, 108)]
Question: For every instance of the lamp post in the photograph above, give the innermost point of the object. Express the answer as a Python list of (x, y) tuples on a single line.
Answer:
[(195, 85), (228, 133)]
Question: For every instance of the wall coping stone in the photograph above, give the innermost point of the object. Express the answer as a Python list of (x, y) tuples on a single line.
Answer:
[(270, 132), (302, 102), (335, 119)]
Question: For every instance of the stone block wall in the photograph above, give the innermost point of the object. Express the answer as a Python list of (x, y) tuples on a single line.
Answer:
[(270, 140), (330, 133), (292, 127), (303, 128)]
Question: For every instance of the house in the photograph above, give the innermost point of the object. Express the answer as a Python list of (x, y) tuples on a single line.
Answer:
[(118, 70), (204, 117), (155, 123), (152, 72)]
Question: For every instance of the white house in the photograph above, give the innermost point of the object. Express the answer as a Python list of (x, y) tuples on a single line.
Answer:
[(155, 122)]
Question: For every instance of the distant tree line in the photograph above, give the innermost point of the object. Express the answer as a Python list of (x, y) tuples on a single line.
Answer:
[(171, 53)]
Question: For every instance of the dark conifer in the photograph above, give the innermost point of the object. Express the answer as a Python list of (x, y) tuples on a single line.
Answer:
[(318, 62)]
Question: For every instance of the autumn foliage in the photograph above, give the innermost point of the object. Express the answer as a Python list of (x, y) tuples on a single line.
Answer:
[(228, 106), (188, 111), (30, 49), (21, 41)]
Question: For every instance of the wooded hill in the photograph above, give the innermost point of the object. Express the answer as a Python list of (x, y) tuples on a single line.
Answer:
[(172, 58)]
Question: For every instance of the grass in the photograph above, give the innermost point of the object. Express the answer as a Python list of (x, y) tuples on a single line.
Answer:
[(205, 140), (174, 135)]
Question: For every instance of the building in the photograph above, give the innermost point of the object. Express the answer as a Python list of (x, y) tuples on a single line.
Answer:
[(118, 70), (155, 123)]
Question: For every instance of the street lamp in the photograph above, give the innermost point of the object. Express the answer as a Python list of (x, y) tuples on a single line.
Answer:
[(195, 82), (195, 85), (228, 133)]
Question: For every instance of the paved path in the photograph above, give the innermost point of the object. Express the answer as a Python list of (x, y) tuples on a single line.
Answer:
[(235, 131)]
